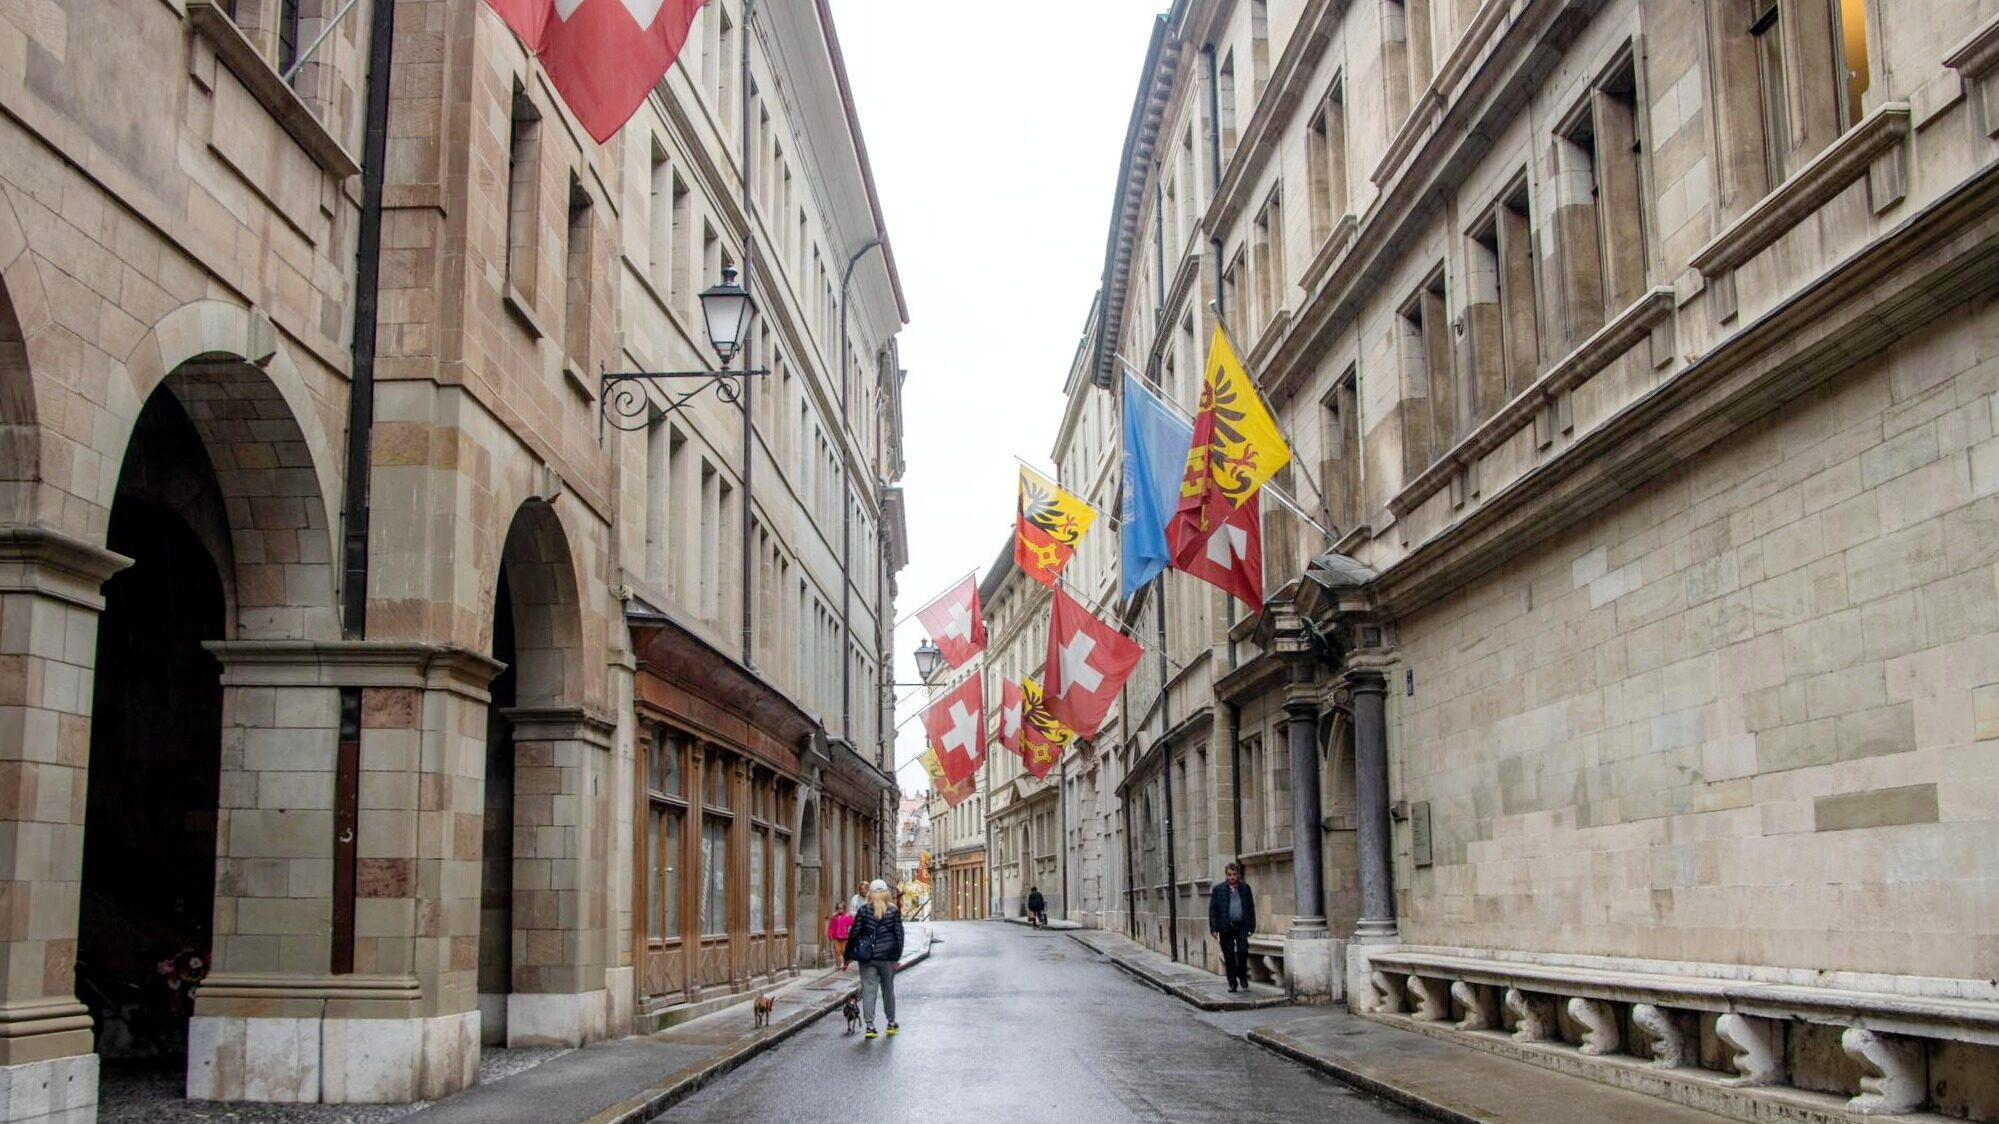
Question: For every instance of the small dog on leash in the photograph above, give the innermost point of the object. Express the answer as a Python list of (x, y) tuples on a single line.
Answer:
[(853, 1012), (762, 1006)]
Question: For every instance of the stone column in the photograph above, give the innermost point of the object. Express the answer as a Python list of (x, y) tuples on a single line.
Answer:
[(1377, 887), (276, 1020), (49, 603), (561, 817), (1308, 953)]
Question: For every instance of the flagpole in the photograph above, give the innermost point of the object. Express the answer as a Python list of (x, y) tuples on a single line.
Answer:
[(911, 615)]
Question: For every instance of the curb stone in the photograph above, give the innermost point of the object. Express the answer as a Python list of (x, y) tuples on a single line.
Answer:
[(691, 1079), (1282, 1045), (1193, 997)]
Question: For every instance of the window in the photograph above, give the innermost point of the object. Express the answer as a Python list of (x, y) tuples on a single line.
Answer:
[(709, 585), (576, 293), (1406, 55), (1326, 159), (714, 876), (1429, 400), (1252, 803), (1232, 288), (715, 778), (759, 840), (1268, 260), (523, 178), (287, 33), (1259, 45), (1599, 221), (659, 244), (1225, 99), (780, 883), (664, 445), (1339, 464), (1505, 346), (665, 813), (1850, 38), (1772, 90)]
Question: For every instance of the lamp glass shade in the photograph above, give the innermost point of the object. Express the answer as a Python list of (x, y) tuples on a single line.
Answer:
[(928, 659), (727, 308)]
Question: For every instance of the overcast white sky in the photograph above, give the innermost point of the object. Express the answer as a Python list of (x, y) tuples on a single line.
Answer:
[(995, 143)]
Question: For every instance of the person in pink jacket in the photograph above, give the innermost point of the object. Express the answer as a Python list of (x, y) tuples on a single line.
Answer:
[(837, 928)]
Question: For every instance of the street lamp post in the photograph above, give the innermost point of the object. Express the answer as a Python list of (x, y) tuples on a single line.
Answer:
[(623, 399)]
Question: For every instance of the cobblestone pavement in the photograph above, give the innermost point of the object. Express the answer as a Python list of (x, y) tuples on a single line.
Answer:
[(1004, 1021)]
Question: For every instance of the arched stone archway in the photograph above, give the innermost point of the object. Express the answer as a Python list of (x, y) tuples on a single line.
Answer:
[(547, 803)]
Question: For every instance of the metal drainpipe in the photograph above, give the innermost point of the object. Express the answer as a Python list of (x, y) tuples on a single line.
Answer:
[(847, 513), (749, 349), (1166, 771), (367, 299)]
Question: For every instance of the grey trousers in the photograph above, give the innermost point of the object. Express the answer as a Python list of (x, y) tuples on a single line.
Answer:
[(877, 974)]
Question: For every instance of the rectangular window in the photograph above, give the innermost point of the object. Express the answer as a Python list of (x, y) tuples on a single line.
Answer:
[(780, 884), (710, 576), (676, 280), (1429, 405), (1849, 18), (663, 450), (759, 838), (1232, 288), (1599, 221), (670, 884), (288, 43), (1773, 90), (1339, 465), (523, 198), (1505, 346), (1225, 100), (714, 876), (576, 294), (656, 873), (1268, 251), (659, 243)]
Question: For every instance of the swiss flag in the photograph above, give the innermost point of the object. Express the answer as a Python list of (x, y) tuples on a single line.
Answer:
[(1013, 709), (1088, 662), (954, 623), (602, 55), (1232, 557), (956, 725)]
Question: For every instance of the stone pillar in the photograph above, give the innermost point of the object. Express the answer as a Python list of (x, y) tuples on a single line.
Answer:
[(1377, 887), (50, 598), (1308, 949), (561, 822), (278, 1019)]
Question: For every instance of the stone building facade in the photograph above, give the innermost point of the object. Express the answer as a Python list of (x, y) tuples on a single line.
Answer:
[(385, 761), (1629, 680)]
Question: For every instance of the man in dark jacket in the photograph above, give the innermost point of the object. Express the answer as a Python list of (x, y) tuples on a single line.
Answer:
[(1232, 918), (1037, 907)]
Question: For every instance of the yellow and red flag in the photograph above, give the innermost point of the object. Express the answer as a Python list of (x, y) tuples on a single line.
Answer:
[(953, 794), (1050, 523), (1042, 737), (1237, 448)]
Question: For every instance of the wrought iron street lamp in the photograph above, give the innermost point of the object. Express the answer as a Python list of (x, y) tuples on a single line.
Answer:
[(726, 310), (928, 658)]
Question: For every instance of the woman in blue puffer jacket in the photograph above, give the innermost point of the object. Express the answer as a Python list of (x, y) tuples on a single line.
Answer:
[(875, 943)]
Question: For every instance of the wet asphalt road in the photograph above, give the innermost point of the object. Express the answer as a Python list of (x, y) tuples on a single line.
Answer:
[(1003, 1021)]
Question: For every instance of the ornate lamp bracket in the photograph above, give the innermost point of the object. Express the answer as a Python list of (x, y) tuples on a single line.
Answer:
[(623, 401)]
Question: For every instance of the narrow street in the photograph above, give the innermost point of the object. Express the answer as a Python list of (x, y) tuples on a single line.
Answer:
[(1003, 1021)]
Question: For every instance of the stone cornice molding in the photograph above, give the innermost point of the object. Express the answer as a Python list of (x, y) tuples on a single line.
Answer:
[(1837, 167), (1590, 357), (39, 559), (277, 97), (355, 663), (1428, 106), (1337, 241), (561, 723), (1977, 54)]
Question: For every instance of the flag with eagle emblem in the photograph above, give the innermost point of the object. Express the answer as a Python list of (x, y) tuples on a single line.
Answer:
[(1237, 448), (953, 794), (1042, 737), (1050, 524)]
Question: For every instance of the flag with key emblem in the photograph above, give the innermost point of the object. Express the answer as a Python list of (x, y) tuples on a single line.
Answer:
[(603, 56), (1042, 738), (1088, 662), (954, 623), (956, 726)]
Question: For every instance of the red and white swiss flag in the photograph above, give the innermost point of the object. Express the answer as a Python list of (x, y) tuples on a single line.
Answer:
[(1013, 711), (1232, 558), (602, 55), (1088, 662), (954, 623), (956, 727)]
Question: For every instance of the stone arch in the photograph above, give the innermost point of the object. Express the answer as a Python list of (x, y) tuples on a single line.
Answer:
[(547, 608), (20, 443), (267, 445)]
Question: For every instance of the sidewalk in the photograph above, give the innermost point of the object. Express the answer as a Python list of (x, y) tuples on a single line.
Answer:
[(1065, 926), (1453, 1083), (632, 1079), (1203, 989)]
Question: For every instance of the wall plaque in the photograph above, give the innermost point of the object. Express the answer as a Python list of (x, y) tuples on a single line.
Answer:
[(1419, 832)]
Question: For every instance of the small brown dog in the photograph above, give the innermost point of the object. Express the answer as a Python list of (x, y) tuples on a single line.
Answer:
[(762, 1005), (853, 1012)]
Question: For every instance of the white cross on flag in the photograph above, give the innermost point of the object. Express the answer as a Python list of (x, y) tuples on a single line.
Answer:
[(603, 56), (1232, 560), (956, 727), (954, 623), (1013, 710), (1088, 662)]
